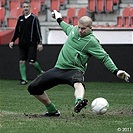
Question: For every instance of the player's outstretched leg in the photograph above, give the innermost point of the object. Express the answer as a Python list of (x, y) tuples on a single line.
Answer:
[(80, 102), (80, 105)]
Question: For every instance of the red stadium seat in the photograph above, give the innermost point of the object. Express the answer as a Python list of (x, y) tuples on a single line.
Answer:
[(81, 12), (14, 4), (131, 21), (131, 17), (34, 11), (92, 5), (3, 2), (2, 14), (109, 5), (126, 11), (126, 16), (124, 20), (131, 12), (54, 5), (42, 1), (16, 12), (70, 14), (11, 22), (119, 21), (100, 7), (21, 1), (62, 1), (36, 4), (116, 1)]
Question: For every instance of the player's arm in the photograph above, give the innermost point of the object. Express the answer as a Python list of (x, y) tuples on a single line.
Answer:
[(15, 35), (39, 35), (65, 26), (98, 52), (38, 31)]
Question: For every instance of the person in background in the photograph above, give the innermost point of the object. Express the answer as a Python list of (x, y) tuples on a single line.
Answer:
[(30, 40), (71, 65)]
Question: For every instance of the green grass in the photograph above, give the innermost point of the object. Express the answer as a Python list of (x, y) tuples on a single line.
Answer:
[(19, 111)]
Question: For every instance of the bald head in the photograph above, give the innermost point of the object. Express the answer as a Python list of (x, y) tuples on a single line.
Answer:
[(85, 20), (84, 26)]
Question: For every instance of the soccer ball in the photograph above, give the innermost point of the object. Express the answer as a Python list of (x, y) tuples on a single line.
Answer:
[(99, 106)]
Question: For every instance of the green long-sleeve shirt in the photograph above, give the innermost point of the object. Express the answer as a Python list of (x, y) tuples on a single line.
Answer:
[(77, 50)]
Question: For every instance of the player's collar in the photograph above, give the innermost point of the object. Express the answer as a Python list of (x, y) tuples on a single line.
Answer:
[(27, 16)]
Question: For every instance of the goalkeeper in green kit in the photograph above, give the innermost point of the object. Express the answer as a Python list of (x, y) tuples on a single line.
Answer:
[(71, 64)]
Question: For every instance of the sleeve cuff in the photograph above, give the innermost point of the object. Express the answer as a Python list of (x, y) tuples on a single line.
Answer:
[(115, 71), (59, 20)]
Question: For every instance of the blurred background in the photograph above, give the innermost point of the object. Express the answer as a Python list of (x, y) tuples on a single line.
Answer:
[(112, 25)]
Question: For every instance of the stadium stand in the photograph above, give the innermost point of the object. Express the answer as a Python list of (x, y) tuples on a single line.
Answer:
[(92, 5), (70, 14), (97, 7), (14, 4), (43, 2), (11, 22), (81, 12), (127, 17), (116, 1), (2, 2), (119, 21), (124, 20), (131, 18), (54, 5), (14, 14), (21, 1), (100, 6), (2, 14), (35, 11), (109, 5), (62, 1), (63, 4), (36, 4)]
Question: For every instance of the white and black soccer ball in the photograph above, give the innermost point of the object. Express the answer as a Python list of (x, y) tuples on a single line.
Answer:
[(99, 106)]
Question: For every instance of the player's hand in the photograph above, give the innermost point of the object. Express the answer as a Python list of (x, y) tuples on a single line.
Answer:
[(39, 47), (11, 45), (123, 75), (56, 14)]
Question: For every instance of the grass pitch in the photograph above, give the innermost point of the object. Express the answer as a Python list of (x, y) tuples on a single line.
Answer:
[(21, 112)]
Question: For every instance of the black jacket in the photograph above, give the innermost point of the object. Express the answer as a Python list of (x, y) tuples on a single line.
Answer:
[(28, 31)]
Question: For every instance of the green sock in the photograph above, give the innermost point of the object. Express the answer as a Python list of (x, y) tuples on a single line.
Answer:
[(77, 99), (37, 67), (22, 68), (51, 108)]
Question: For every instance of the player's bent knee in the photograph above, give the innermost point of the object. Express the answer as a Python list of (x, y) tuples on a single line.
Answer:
[(34, 90), (30, 89), (77, 84)]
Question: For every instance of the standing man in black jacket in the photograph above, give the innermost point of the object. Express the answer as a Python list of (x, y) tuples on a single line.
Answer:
[(30, 40)]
